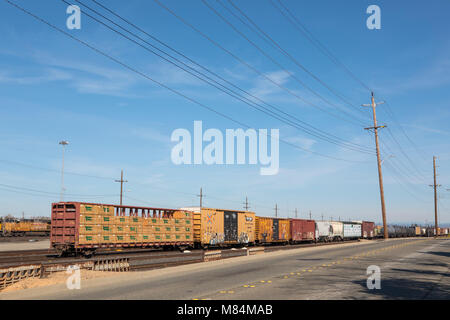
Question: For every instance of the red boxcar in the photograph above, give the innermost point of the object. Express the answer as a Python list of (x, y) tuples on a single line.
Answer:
[(302, 230), (367, 230)]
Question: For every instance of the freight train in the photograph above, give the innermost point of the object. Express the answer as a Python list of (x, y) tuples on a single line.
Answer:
[(82, 228), (24, 228)]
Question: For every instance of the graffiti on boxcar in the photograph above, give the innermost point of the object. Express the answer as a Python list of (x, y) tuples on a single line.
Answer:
[(215, 238), (243, 238)]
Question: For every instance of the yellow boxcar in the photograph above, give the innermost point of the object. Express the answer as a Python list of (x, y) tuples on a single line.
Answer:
[(222, 227), (270, 230), (418, 231)]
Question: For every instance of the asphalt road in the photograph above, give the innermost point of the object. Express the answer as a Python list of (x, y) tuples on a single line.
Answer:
[(409, 269)]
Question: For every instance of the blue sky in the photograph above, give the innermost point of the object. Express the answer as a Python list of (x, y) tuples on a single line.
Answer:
[(53, 88)]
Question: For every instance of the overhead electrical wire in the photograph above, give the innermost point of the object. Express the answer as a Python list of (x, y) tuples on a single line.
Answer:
[(315, 41), (136, 71), (388, 151), (268, 56), (56, 193), (130, 182), (243, 62), (405, 154), (266, 37), (295, 21), (317, 133), (346, 145), (397, 177)]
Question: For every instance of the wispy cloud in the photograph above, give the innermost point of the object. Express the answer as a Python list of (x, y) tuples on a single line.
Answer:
[(263, 88), (435, 75), (150, 135), (427, 129), (47, 75), (305, 143)]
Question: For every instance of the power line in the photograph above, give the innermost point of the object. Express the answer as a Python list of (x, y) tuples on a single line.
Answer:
[(132, 183), (165, 86), (295, 61), (392, 115), (398, 178), (310, 130), (315, 41), (270, 57), (54, 170), (242, 61), (54, 193), (405, 154), (404, 169)]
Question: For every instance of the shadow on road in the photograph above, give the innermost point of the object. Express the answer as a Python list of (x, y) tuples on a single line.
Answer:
[(424, 272), (440, 253), (402, 289)]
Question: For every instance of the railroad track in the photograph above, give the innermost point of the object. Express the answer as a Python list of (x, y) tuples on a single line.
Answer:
[(50, 257)]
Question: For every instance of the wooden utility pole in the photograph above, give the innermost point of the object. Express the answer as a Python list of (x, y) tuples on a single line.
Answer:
[(380, 174), (246, 206), (296, 213), (201, 197), (121, 185), (309, 214), (276, 210), (435, 186)]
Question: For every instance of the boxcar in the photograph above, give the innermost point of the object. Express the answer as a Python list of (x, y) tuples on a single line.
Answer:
[(352, 230), (329, 231), (272, 230), (417, 231), (222, 227), (302, 230), (367, 230), (84, 227)]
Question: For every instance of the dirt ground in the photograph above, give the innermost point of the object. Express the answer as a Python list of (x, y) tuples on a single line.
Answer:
[(56, 278)]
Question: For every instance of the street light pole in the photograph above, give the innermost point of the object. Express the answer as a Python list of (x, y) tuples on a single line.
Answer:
[(64, 143)]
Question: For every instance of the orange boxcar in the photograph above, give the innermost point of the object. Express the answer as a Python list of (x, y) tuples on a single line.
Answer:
[(270, 230)]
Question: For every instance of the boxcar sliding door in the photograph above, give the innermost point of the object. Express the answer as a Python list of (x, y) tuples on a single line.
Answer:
[(230, 225)]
